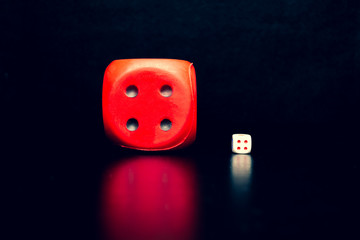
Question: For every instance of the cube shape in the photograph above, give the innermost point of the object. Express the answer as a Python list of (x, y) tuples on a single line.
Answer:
[(241, 143), (150, 104)]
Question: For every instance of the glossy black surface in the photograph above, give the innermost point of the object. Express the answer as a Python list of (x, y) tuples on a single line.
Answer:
[(290, 186)]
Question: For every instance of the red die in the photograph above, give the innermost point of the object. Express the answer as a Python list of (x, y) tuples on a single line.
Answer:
[(150, 104)]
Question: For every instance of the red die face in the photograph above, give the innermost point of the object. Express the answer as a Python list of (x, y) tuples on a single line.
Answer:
[(150, 104)]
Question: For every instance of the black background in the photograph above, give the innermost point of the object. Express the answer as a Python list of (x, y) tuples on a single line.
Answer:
[(284, 71)]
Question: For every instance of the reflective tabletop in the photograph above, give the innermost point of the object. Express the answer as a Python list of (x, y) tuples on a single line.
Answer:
[(102, 191)]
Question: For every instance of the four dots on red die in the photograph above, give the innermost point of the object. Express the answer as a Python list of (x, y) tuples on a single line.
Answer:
[(132, 91)]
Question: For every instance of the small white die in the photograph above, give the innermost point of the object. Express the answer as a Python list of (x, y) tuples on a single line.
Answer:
[(241, 143)]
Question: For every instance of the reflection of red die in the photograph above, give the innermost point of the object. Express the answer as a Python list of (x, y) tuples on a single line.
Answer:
[(150, 104)]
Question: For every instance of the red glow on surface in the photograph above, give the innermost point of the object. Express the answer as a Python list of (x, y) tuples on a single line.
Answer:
[(150, 197), (239, 141), (245, 141), (238, 148), (245, 148)]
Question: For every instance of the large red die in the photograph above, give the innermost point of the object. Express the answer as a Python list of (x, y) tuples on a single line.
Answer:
[(150, 104)]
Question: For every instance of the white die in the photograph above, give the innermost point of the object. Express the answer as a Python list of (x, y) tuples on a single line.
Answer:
[(241, 143)]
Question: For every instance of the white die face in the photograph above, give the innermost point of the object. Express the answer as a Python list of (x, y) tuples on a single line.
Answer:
[(241, 143)]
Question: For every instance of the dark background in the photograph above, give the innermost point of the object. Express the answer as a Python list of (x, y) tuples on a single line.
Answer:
[(285, 71)]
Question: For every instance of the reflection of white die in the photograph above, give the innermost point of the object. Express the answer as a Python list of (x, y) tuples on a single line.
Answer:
[(241, 143)]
